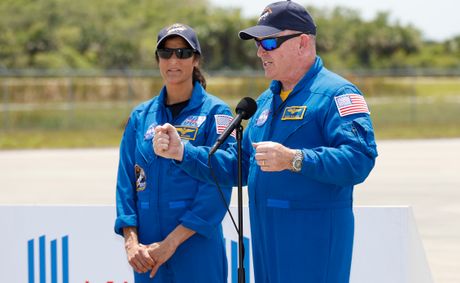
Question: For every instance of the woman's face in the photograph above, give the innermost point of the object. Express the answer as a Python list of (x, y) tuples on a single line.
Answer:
[(177, 71)]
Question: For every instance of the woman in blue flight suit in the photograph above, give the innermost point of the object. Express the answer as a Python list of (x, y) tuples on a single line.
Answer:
[(170, 220)]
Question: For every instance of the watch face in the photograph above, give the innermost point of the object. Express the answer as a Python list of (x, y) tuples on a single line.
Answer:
[(297, 164)]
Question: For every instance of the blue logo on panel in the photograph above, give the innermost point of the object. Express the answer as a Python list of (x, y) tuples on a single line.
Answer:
[(53, 259)]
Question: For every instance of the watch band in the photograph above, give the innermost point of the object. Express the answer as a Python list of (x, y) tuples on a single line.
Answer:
[(297, 161)]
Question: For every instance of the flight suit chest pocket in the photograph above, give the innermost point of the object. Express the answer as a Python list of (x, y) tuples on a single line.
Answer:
[(292, 124), (144, 151), (256, 134), (294, 129)]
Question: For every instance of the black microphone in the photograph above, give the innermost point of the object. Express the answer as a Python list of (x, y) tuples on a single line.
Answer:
[(244, 110)]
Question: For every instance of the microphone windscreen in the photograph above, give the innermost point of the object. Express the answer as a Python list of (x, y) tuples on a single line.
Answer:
[(247, 106)]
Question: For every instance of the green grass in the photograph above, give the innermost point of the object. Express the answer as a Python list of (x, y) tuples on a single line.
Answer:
[(408, 86), (59, 117), (416, 132), (80, 127), (416, 117), (35, 139), (22, 139), (393, 118), (402, 108)]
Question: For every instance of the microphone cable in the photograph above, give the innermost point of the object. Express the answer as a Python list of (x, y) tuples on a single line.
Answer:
[(224, 201), (222, 194)]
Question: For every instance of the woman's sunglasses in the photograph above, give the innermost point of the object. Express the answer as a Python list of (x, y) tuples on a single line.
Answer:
[(181, 53), (272, 43)]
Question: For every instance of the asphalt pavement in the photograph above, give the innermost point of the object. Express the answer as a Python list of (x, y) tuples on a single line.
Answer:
[(424, 174)]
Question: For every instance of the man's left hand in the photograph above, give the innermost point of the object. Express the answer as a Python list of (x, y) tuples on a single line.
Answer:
[(273, 157)]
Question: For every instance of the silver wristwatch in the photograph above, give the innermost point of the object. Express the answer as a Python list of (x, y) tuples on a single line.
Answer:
[(297, 161)]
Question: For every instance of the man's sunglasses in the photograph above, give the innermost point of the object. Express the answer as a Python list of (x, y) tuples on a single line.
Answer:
[(272, 43), (181, 53)]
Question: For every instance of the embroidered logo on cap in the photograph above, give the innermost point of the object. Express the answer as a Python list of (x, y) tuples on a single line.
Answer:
[(265, 13), (176, 28)]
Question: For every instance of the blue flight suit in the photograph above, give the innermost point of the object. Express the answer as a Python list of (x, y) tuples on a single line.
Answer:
[(155, 196), (302, 224)]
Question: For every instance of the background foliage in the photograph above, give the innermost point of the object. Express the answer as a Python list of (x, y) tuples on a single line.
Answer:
[(109, 34), (71, 71)]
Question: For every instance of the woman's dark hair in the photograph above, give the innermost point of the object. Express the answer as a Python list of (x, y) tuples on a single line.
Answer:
[(197, 75)]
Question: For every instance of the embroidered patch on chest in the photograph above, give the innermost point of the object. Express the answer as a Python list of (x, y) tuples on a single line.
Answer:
[(294, 113), (187, 132), (194, 121), (262, 117), (141, 179), (150, 133)]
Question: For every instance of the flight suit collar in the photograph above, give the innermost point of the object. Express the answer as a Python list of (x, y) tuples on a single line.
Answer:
[(158, 114), (275, 85), (197, 99), (297, 99)]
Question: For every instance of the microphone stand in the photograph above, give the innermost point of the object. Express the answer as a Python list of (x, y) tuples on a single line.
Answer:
[(241, 271)]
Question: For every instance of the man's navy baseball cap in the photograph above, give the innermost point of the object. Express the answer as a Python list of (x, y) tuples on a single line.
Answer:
[(184, 31), (280, 16)]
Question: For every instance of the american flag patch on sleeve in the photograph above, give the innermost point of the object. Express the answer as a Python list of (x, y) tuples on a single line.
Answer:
[(222, 122), (351, 103)]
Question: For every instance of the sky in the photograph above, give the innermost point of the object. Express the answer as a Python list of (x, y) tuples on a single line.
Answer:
[(437, 19)]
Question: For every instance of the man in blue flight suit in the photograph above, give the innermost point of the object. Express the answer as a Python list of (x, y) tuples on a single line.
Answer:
[(310, 141)]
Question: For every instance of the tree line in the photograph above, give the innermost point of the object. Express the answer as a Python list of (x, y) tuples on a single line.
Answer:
[(118, 34)]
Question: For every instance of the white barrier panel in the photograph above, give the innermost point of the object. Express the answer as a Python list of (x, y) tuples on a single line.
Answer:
[(94, 254), (76, 244), (387, 247)]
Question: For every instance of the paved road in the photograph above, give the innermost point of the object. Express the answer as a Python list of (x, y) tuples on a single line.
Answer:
[(424, 174)]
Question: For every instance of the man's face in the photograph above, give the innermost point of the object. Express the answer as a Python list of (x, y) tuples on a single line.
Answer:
[(279, 63)]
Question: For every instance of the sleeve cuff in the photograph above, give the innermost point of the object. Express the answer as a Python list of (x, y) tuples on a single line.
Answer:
[(197, 224), (190, 156), (125, 221), (310, 160)]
